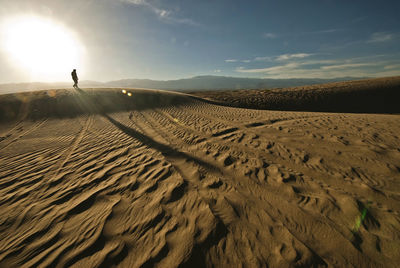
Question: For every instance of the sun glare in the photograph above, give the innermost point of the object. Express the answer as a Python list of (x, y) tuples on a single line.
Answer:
[(44, 49)]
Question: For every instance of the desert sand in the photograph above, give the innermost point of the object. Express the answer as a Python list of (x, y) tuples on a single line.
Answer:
[(378, 95), (163, 179)]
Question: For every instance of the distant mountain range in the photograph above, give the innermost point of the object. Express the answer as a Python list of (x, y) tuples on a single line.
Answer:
[(207, 82)]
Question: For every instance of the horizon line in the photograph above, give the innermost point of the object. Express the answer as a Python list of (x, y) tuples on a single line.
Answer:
[(185, 78)]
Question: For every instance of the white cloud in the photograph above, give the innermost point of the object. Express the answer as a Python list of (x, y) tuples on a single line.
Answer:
[(158, 11), (217, 71), (321, 31), (283, 58), (269, 35), (330, 69), (236, 60), (346, 66), (163, 14), (262, 58), (319, 62), (274, 69), (380, 37), (292, 56), (394, 66), (318, 32), (136, 2)]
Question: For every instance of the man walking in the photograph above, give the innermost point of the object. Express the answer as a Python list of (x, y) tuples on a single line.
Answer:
[(75, 78)]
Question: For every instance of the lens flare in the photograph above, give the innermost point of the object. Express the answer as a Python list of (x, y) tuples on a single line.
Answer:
[(361, 218)]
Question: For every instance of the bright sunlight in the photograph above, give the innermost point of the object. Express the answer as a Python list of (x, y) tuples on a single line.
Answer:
[(46, 50)]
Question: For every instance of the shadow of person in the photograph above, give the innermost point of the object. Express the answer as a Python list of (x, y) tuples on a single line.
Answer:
[(86, 103), (163, 148), (80, 90)]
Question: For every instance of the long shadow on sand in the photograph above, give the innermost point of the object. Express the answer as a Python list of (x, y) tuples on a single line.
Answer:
[(163, 148)]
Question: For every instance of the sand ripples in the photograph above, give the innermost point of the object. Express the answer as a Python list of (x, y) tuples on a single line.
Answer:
[(200, 184)]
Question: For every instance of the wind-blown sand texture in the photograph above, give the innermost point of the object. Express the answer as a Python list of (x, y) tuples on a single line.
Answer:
[(168, 180)]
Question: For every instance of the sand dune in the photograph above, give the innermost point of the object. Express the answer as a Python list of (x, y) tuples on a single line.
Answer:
[(163, 179), (377, 95)]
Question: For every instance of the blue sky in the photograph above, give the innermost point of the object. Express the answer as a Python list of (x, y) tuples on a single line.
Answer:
[(158, 39)]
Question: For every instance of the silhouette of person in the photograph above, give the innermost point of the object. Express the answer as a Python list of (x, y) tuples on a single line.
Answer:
[(75, 78)]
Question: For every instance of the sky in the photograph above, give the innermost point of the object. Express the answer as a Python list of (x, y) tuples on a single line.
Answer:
[(154, 39)]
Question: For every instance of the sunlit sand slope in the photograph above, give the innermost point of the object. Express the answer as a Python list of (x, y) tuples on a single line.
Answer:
[(197, 184)]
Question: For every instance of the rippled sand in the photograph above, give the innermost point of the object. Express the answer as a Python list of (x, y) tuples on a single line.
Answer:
[(198, 184)]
